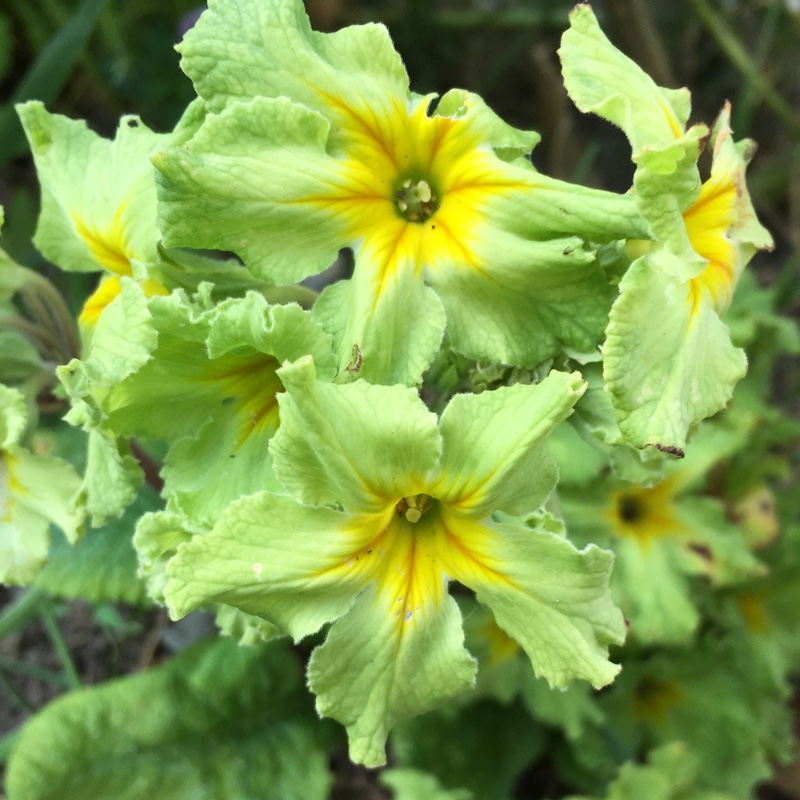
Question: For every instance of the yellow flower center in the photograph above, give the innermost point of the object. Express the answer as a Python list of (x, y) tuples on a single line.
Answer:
[(654, 698), (411, 190), (630, 509), (644, 513)]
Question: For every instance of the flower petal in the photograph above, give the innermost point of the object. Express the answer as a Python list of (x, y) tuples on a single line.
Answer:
[(520, 302), (35, 491), (385, 333), (551, 598), (256, 180), (240, 49), (272, 557), (379, 666), (358, 445), (494, 456), (668, 358), (602, 80), (98, 196)]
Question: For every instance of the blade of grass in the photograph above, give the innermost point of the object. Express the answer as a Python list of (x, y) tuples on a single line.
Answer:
[(15, 693), (62, 651), (32, 671), (49, 73), (26, 607), (731, 45), (744, 108)]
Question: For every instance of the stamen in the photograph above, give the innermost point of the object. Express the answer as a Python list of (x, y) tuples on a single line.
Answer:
[(414, 506), (416, 201)]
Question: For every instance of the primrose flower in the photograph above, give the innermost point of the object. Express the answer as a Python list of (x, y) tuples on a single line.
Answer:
[(35, 491), (661, 535), (386, 508), (668, 358), (218, 364), (98, 201), (316, 144)]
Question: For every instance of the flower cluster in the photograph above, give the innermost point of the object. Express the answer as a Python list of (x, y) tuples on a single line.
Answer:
[(307, 480)]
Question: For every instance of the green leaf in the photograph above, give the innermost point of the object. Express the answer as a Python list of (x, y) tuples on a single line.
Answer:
[(411, 784), (102, 566), (572, 710), (216, 721), (671, 774), (483, 747)]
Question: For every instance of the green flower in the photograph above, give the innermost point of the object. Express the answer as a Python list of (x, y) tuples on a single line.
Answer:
[(386, 508), (316, 144), (662, 534), (218, 364), (668, 358), (98, 201), (35, 491), (724, 714)]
